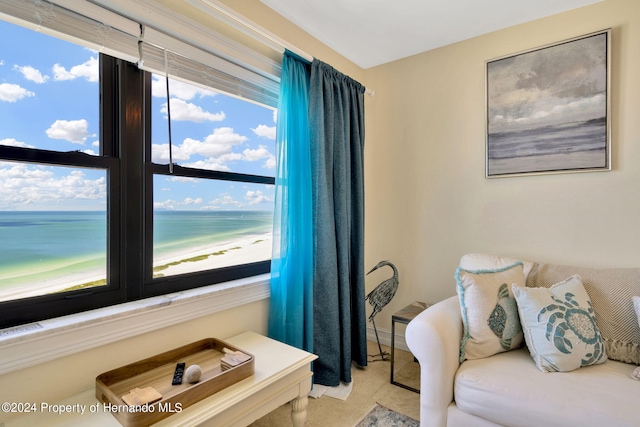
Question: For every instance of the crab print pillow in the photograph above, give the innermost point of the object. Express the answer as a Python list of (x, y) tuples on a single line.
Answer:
[(489, 312), (559, 326)]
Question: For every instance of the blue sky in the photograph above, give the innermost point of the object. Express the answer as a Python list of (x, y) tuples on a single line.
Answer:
[(49, 99)]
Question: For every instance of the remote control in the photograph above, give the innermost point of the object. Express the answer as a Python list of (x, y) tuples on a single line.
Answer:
[(177, 375)]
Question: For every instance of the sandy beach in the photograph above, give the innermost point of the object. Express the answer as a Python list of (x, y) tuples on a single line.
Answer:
[(249, 249)]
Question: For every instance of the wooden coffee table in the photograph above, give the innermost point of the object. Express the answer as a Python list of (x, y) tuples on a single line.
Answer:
[(282, 374)]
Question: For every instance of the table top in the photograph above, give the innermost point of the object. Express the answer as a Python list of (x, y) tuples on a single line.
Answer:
[(273, 360), (410, 312)]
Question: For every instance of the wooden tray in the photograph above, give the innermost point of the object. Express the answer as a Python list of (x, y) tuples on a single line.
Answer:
[(157, 372)]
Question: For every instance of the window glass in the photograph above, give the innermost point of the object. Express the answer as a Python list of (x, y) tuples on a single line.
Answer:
[(212, 131), (203, 224), (53, 228), (67, 220), (49, 92)]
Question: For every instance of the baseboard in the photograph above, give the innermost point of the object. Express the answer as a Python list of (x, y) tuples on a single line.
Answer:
[(385, 338)]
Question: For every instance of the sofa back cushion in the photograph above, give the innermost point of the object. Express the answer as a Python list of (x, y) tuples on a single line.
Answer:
[(611, 291)]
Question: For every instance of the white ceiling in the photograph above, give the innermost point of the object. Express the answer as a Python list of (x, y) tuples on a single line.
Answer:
[(373, 32)]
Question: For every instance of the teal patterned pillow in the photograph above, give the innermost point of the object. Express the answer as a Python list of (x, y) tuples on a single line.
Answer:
[(489, 312), (560, 326)]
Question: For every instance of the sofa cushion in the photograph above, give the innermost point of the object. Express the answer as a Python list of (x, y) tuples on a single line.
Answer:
[(489, 311), (610, 291), (559, 326), (507, 389)]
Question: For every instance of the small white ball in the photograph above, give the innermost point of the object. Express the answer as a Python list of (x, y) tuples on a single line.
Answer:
[(192, 374)]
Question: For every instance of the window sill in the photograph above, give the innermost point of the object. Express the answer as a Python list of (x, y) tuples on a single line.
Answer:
[(31, 344)]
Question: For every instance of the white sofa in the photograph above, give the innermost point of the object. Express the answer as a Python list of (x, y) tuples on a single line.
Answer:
[(507, 389)]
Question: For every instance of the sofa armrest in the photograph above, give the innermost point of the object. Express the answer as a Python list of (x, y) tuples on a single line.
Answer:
[(434, 339)]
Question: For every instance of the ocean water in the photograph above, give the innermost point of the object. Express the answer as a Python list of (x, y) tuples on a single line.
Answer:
[(175, 231), (40, 246), (554, 147)]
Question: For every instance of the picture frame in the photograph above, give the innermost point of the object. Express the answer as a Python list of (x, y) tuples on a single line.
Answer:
[(548, 109)]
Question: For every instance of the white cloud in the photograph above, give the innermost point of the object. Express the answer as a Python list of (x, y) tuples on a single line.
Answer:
[(177, 89), (270, 163), (11, 142), (188, 112), (265, 131), (226, 201), (173, 204), (255, 197), (88, 70), (167, 204), (1, 63), (74, 131), (182, 179), (190, 201), (31, 74), (23, 185), (220, 142), (11, 92), (160, 153), (275, 116), (258, 154), (217, 148), (209, 164)]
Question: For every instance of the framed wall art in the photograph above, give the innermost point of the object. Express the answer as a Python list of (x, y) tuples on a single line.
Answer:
[(548, 109)]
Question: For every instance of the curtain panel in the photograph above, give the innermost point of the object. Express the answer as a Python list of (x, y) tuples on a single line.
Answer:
[(336, 123), (291, 310)]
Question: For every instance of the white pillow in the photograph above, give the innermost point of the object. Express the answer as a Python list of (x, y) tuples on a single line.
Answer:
[(559, 326), (477, 261), (489, 312)]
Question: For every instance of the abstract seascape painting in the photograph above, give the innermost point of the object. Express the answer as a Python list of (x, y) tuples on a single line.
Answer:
[(548, 109)]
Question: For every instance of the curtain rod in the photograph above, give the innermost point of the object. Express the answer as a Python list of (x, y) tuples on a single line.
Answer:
[(239, 22)]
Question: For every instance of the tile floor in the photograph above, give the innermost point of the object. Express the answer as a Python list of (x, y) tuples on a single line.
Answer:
[(370, 386)]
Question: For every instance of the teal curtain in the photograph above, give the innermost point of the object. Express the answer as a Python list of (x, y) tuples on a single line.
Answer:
[(291, 309), (336, 123)]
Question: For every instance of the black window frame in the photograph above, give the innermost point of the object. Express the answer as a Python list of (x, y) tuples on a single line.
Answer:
[(125, 153)]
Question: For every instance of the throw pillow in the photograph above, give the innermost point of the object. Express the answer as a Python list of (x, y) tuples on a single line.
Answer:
[(611, 291), (489, 312), (559, 326), (478, 261)]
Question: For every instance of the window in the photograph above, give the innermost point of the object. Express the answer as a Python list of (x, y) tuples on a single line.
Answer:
[(220, 210), (92, 211)]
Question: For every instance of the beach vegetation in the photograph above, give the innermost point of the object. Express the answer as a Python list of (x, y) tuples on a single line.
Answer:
[(94, 283)]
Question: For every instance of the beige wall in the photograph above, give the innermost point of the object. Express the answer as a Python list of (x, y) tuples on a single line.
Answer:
[(427, 201), (257, 12)]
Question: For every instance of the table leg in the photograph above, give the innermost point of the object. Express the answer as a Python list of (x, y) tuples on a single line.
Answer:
[(393, 346), (299, 411)]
